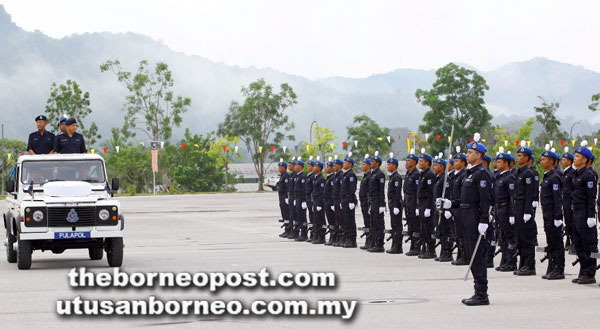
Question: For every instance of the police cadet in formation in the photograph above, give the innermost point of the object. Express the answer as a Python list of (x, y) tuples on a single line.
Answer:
[(490, 234), (377, 203), (309, 202), (425, 206), (524, 207), (40, 141), (504, 189), (337, 203), (460, 163), (71, 141), (328, 202), (567, 189), (585, 234), (394, 197), (551, 202), (363, 198), (291, 232), (475, 207), (442, 218), (300, 201), (318, 191), (283, 193), (411, 180), (349, 201)]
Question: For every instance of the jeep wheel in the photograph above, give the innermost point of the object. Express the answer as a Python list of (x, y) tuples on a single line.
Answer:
[(96, 253), (11, 254), (24, 254), (114, 252)]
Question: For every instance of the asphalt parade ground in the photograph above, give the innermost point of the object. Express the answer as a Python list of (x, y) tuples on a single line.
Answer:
[(239, 232)]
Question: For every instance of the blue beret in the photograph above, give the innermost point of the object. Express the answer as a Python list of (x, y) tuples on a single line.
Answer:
[(440, 161), (349, 160), (392, 160), (593, 157), (367, 161), (461, 156), (427, 157), (412, 156), (568, 156), (338, 162), (532, 157), (329, 163), (451, 161), (41, 117), (377, 158), (319, 163), (282, 164), (585, 152), (525, 150), (71, 121), (487, 158), (477, 147), (505, 156), (311, 162), (61, 121), (300, 163), (551, 154)]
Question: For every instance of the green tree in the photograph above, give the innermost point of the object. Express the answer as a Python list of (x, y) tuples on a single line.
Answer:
[(370, 137), (455, 98), (9, 153), (595, 106), (132, 166), (322, 137), (68, 100), (151, 101), (546, 116), (223, 150), (258, 121)]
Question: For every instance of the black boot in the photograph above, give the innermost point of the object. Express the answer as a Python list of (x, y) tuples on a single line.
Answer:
[(367, 244), (429, 251), (446, 256), (332, 237), (319, 238), (584, 279), (524, 271), (377, 243), (489, 262), (557, 274), (414, 250), (396, 247), (550, 268), (479, 298), (350, 242)]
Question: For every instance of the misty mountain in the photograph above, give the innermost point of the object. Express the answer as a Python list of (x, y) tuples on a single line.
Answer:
[(31, 61)]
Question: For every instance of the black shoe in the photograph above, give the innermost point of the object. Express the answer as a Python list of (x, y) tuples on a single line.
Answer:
[(479, 298), (428, 255), (319, 240), (586, 280), (376, 249), (350, 243), (300, 239), (507, 268), (292, 236), (490, 263), (447, 257), (413, 252), (396, 249), (460, 262), (576, 280), (283, 235), (555, 275), (525, 271)]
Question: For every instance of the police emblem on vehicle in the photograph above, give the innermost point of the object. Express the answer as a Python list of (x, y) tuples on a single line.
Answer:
[(72, 216)]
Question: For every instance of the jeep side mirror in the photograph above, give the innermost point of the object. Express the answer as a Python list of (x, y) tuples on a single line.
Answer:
[(115, 184), (10, 186)]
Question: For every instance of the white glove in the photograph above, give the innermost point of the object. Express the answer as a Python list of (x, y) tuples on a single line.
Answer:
[(287, 201), (557, 223), (294, 203), (417, 212), (319, 208), (511, 220), (591, 222), (534, 204), (427, 212), (351, 206), (332, 208), (526, 217), (447, 214), (482, 228), (396, 211), (303, 205), (381, 210), (443, 203)]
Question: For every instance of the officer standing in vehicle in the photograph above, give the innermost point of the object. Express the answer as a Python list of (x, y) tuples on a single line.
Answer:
[(363, 197), (524, 201), (585, 234), (62, 126), (567, 189), (40, 141), (300, 201), (71, 141), (394, 196), (503, 196), (318, 203), (377, 202), (550, 199), (425, 206), (348, 193), (411, 181), (282, 192), (328, 201)]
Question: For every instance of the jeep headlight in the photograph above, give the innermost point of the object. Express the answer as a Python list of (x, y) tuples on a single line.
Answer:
[(104, 214), (38, 215)]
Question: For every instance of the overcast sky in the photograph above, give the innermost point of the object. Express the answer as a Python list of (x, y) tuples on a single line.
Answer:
[(319, 38)]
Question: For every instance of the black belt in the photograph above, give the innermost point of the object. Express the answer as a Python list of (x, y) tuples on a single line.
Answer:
[(519, 202), (578, 206), (500, 205), (469, 205)]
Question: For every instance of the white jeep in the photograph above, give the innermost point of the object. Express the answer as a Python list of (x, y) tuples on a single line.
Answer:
[(59, 202)]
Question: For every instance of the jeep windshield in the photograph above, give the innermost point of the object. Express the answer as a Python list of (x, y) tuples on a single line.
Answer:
[(41, 172)]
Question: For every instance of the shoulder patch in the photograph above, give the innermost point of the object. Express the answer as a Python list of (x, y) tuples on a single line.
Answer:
[(322, 184), (537, 178), (396, 183), (511, 186), (351, 179), (417, 181), (555, 187), (303, 180), (429, 182), (528, 180), (483, 183), (286, 180), (590, 184)]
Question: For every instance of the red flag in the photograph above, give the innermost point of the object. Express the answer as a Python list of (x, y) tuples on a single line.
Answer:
[(344, 145), (104, 149), (438, 137), (471, 140), (224, 148), (562, 142), (272, 149), (182, 146), (517, 142)]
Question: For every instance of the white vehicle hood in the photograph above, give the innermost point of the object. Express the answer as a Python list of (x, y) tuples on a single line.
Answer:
[(68, 189)]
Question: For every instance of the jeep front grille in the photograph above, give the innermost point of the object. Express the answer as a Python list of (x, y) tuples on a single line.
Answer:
[(57, 217)]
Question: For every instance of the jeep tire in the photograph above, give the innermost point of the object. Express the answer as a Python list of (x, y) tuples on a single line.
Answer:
[(96, 253), (24, 254), (114, 251), (11, 253)]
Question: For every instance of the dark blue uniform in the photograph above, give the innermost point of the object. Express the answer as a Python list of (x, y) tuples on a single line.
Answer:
[(348, 194), (291, 197), (339, 215), (318, 203), (376, 201), (299, 198), (526, 230), (551, 202), (65, 144), (411, 180), (445, 225), (585, 238), (457, 183), (425, 200), (328, 201), (474, 209), (309, 203), (41, 144), (503, 196), (567, 189), (394, 197), (363, 198), (282, 191)]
